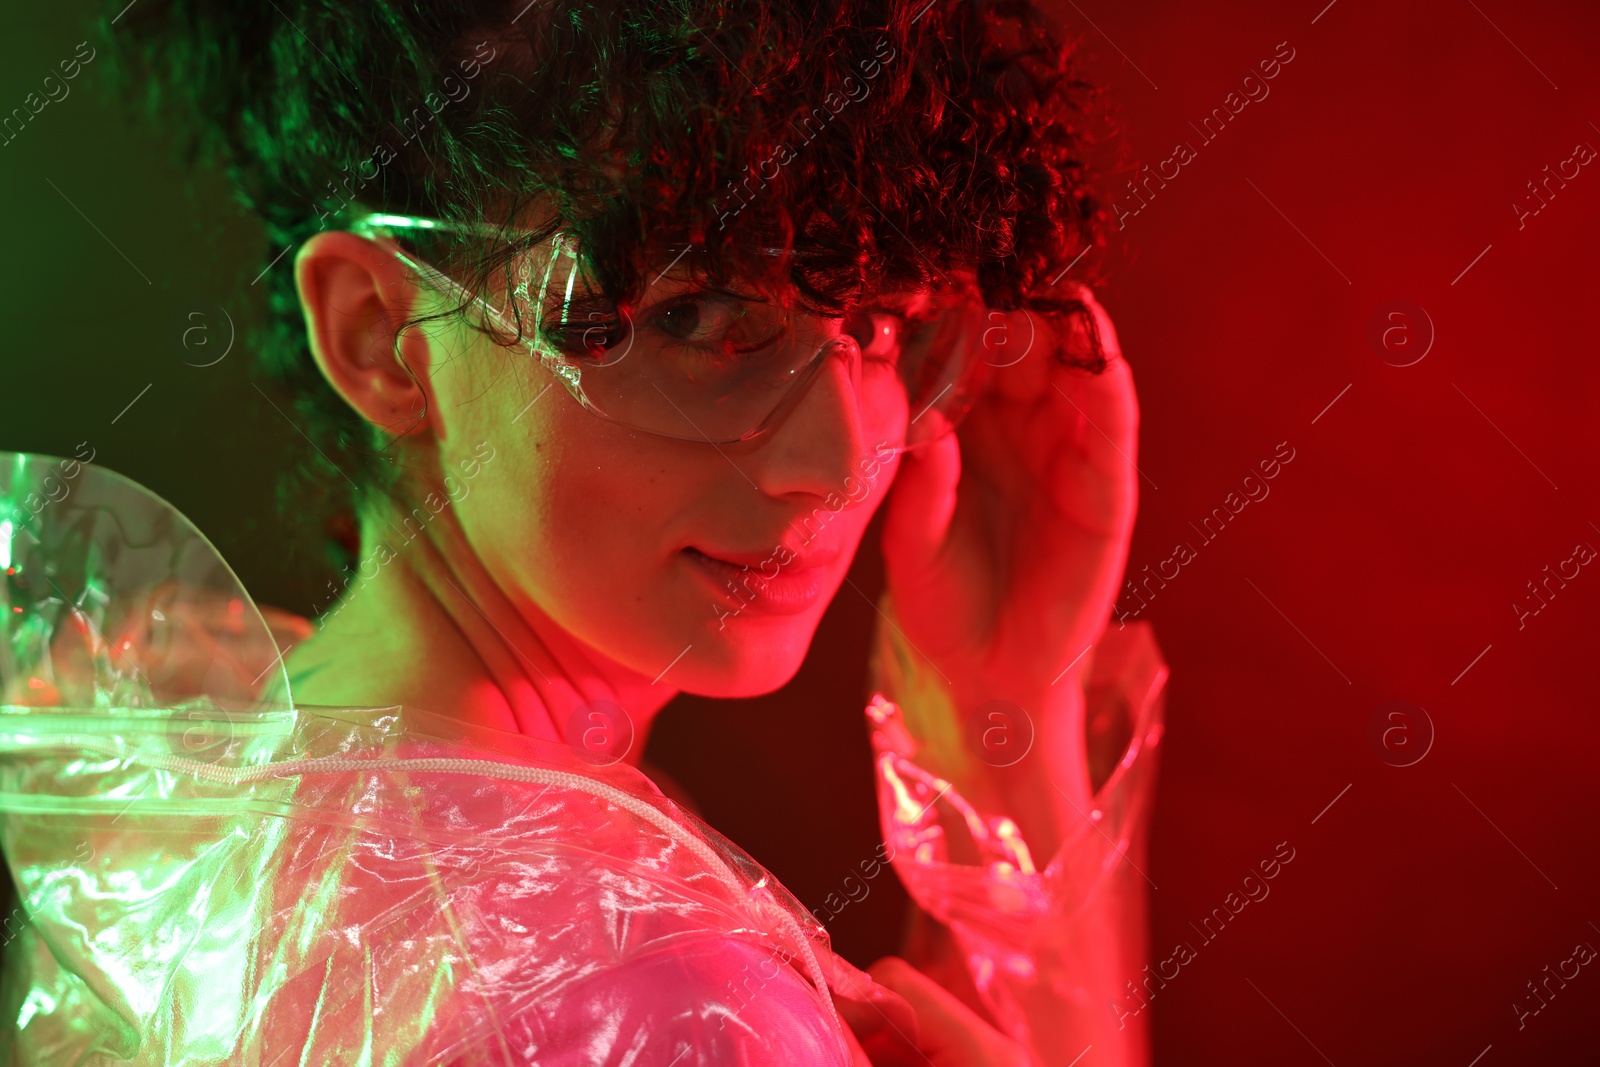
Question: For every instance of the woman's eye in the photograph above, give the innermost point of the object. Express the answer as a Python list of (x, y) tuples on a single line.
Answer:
[(713, 324), (694, 319), (680, 321)]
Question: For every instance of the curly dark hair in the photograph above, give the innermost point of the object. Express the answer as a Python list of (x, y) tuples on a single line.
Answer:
[(889, 142)]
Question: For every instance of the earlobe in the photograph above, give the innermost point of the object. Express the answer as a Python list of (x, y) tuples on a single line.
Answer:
[(354, 294)]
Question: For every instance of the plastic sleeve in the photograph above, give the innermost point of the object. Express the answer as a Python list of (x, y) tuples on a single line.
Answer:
[(1050, 949)]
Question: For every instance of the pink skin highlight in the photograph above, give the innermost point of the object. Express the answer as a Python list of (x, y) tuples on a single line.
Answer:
[(573, 544), (562, 579), (788, 591)]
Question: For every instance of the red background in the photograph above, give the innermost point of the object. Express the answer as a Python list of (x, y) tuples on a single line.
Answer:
[(1393, 545), (1384, 561)]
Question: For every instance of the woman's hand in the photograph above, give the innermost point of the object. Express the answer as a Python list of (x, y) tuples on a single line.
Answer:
[(1005, 543), (946, 1033)]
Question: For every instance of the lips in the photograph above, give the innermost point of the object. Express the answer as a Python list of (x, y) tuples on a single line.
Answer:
[(768, 559), (757, 583)]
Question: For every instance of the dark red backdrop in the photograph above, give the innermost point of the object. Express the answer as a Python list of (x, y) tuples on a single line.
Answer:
[(1382, 161), (1383, 565)]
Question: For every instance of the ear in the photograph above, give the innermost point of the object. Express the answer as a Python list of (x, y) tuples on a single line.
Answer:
[(355, 293)]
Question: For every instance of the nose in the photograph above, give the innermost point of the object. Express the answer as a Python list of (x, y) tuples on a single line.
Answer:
[(815, 445)]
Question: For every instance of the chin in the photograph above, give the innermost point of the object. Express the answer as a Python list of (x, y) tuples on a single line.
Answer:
[(750, 656)]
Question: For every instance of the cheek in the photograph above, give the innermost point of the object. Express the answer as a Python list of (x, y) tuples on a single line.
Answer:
[(574, 517), (571, 513), (579, 517)]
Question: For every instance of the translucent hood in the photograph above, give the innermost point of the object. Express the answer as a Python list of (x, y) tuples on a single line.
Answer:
[(208, 877)]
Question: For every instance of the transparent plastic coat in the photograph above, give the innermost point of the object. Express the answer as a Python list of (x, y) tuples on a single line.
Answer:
[(1051, 948), (208, 875)]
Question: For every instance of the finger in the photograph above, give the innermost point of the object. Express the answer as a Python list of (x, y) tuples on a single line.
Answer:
[(921, 505), (1107, 409), (1016, 347), (949, 1032), (866, 1006), (1106, 398)]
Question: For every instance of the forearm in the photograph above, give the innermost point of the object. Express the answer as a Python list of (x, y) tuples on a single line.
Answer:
[(1034, 870)]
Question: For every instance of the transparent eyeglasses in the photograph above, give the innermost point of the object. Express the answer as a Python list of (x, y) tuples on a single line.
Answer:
[(708, 364)]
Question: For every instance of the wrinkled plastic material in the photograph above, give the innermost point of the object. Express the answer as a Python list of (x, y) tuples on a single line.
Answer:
[(1046, 944), (208, 876)]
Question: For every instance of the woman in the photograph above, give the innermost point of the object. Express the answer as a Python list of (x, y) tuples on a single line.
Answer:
[(620, 323)]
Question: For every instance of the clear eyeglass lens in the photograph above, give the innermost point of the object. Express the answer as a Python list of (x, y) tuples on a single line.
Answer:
[(709, 364)]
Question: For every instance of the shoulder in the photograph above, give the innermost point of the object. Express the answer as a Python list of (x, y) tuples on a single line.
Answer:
[(690, 1001), (513, 906)]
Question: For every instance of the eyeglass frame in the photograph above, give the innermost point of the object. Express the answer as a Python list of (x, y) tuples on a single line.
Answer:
[(568, 373)]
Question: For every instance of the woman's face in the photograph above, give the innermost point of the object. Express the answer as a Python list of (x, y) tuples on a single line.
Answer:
[(633, 542)]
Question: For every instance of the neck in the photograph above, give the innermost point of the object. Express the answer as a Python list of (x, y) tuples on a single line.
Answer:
[(423, 623)]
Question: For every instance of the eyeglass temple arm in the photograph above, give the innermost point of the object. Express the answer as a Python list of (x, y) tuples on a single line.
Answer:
[(376, 225)]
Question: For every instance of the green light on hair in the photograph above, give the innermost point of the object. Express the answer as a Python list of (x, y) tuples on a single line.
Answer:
[(401, 222)]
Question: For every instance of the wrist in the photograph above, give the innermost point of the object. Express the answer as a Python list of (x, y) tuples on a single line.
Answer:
[(1012, 747)]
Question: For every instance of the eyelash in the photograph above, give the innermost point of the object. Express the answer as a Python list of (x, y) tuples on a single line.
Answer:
[(587, 318), (590, 318)]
